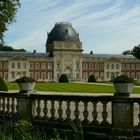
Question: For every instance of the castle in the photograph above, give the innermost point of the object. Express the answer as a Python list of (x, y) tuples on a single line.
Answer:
[(64, 54)]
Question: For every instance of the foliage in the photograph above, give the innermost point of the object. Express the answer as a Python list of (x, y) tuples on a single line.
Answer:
[(8, 48), (3, 86), (127, 52), (92, 79), (8, 9), (122, 79), (136, 51), (25, 80), (63, 79), (24, 130)]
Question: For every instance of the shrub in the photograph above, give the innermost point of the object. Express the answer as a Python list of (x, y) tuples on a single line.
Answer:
[(92, 78), (25, 80), (63, 79), (122, 79), (3, 86)]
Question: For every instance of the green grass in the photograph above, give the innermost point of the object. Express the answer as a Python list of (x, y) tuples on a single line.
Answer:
[(72, 87)]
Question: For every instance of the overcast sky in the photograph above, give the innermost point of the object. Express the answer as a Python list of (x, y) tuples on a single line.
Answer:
[(104, 26)]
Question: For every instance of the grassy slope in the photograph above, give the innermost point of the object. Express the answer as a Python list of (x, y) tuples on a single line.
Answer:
[(72, 87)]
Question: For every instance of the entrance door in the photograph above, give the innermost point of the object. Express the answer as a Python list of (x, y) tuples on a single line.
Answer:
[(68, 72)]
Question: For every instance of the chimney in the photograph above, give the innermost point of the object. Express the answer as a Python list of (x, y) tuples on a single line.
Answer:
[(34, 51), (91, 52)]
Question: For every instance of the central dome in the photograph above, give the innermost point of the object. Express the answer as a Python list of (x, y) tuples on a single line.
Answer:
[(63, 31)]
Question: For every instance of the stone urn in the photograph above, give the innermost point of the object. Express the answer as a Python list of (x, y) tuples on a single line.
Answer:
[(25, 84), (123, 85)]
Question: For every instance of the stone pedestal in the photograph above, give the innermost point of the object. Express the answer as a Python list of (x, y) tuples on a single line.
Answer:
[(122, 118)]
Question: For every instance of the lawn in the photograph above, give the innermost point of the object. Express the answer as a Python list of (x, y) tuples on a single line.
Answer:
[(72, 87)]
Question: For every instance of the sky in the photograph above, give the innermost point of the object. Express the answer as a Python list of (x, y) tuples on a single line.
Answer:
[(104, 26)]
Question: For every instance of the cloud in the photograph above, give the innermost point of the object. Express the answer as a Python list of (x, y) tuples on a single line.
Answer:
[(101, 24)]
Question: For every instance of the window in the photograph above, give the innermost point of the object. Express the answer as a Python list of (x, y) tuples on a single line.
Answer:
[(133, 75), (36, 66), (13, 75), (112, 66), (101, 66), (24, 65), (6, 75), (108, 75), (107, 66), (6, 65), (31, 65), (132, 66), (43, 75), (127, 66), (18, 65), (58, 66), (31, 74), (13, 65), (123, 66), (24, 74), (137, 66), (58, 75), (43, 66), (36, 75), (117, 66), (96, 66), (77, 66), (49, 65), (90, 66), (49, 76), (85, 66), (77, 76), (85, 76)]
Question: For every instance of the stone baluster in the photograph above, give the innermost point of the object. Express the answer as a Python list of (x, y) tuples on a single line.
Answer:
[(13, 106), (85, 112), (3, 104), (68, 111), (38, 109), (45, 110), (60, 110), (8, 105), (104, 114), (95, 114), (76, 112), (52, 110)]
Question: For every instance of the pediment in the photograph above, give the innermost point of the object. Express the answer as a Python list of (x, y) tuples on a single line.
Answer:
[(18, 57)]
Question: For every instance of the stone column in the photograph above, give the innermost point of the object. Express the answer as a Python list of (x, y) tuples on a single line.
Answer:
[(122, 118)]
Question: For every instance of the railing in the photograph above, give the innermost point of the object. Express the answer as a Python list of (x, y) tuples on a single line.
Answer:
[(100, 114)]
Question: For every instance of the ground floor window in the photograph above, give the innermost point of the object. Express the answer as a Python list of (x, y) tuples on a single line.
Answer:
[(36, 75), (49, 76), (43, 75), (6, 75)]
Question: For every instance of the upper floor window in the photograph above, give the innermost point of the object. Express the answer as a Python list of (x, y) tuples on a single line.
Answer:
[(107, 66), (112, 66), (13, 65), (90, 66), (77, 66), (137, 66), (58, 66), (36, 66), (6, 65), (24, 65), (96, 66), (49, 65), (85, 66), (18, 65), (117, 66), (43, 66), (123, 66), (127, 66), (31, 66), (132, 66)]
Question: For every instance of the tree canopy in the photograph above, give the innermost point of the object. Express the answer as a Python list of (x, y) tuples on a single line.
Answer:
[(8, 9), (136, 51)]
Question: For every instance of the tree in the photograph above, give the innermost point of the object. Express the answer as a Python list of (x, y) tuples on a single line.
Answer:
[(8, 9), (92, 79), (63, 79), (3, 86), (126, 52), (136, 51)]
